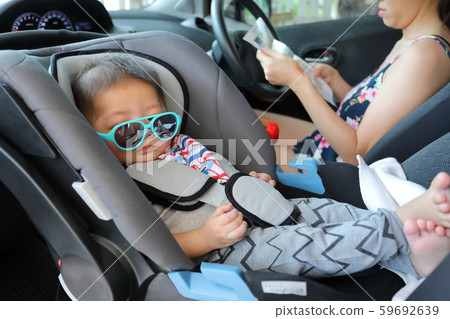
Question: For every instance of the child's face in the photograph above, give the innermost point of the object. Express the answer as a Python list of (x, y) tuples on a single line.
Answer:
[(128, 100)]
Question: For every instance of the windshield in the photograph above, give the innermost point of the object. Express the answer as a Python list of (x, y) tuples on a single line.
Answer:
[(125, 4), (283, 12)]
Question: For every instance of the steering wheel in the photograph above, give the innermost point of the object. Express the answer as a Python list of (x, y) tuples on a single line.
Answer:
[(240, 55)]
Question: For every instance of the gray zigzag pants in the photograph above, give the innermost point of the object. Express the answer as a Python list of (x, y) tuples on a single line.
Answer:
[(329, 239)]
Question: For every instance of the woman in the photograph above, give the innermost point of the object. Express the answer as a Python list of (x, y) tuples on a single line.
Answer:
[(417, 67)]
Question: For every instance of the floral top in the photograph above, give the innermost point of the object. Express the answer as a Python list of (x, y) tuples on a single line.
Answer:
[(351, 110)]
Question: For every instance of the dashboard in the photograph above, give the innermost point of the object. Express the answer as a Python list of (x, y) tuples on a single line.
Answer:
[(28, 24), (80, 15)]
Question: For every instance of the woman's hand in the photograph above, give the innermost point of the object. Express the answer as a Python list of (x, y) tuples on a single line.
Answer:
[(324, 71), (263, 176), (280, 69), (223, 228), (332, 77)]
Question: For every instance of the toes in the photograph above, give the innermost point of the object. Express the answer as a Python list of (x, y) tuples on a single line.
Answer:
[(441, 197), (444, 208), (430, 225), (444, 219), (440, 230), (441, 181), (421, 224), (411, 227)]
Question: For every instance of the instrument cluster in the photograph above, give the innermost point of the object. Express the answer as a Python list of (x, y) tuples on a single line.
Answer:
[(51, 20), (80, 15)]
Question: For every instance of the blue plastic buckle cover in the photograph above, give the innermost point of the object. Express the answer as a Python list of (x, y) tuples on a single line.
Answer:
[(309, 181), (215, 282)]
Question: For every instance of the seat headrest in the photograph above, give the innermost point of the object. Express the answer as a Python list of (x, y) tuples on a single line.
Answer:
[(65, 66)]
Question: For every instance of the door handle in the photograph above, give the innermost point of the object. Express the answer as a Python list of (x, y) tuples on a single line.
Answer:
[(325, 59), (321, 55)]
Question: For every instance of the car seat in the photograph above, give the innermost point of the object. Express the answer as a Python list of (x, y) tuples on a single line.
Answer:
[(419, 128), (413, 133), (436, 155), (118, 257)]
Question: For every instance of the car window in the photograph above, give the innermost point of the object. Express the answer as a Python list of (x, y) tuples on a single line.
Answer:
[(283, 12), (291, 12), (126, 4)]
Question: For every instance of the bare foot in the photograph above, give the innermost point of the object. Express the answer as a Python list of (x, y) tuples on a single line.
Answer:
[(428, 248), (433, 205), (432, 227)]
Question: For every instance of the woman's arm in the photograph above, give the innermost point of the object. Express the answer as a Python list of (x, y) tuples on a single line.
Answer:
[(285, 71), (282, 70), (420, 72), (223, 228), (341, 136)]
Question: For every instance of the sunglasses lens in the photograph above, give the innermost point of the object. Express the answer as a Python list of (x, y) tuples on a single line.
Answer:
[(128, 135), (165, 126)]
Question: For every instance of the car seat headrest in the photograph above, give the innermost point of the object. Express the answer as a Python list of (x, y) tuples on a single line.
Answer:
[(65, 66), (218, 115)]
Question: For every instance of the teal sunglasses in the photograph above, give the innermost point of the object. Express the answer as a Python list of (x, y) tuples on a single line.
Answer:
[(130, 134)]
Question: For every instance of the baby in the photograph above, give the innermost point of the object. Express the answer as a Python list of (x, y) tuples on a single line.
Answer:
[(125, 105)]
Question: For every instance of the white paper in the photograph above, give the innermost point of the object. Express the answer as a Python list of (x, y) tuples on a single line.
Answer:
[(260, 37)]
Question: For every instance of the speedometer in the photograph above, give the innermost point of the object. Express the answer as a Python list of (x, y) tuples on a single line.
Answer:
[(26, 21), (55, 20)]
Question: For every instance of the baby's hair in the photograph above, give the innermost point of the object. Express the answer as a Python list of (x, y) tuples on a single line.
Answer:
[(105, 71)]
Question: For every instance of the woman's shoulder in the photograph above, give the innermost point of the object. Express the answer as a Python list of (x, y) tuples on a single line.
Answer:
[(423, 64), (434, 48), (432, 44), (425, 53)]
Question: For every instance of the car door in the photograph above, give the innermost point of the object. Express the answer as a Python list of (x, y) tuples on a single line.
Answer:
[(349, 31), (353, 45), (347, 34)]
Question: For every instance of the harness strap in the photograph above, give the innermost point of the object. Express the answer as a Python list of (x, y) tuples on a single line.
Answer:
[(172, 181), (181, 187), (260, 202)]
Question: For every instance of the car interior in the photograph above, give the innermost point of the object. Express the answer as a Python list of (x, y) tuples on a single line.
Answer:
[(75, 225)]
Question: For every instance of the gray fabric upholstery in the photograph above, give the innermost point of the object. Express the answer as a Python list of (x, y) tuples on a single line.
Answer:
[(131, 211), (422, 126), (68, 66), (169, 177), (424, 165), (272, 208), (216, 110)]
